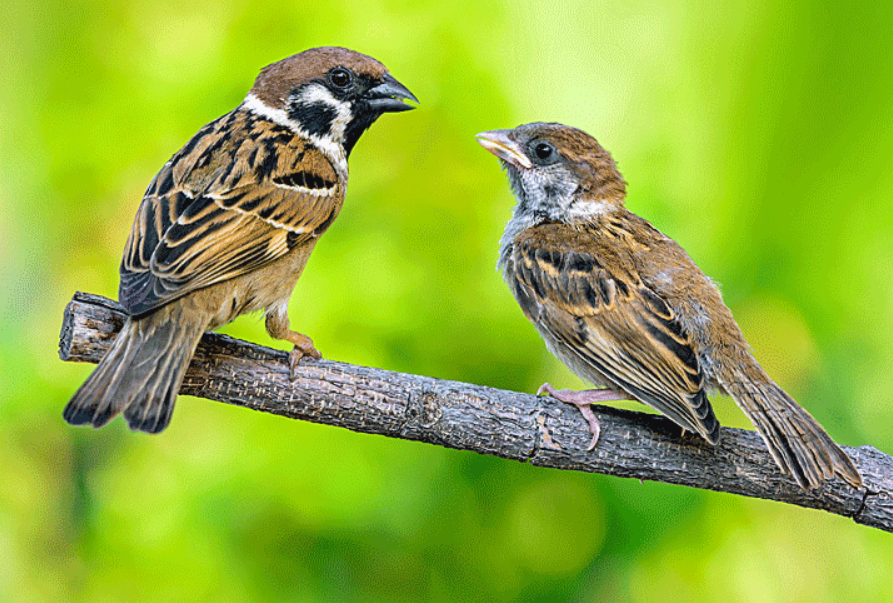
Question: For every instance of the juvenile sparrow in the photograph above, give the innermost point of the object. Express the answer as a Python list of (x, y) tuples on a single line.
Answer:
[(228, 224), (624, 307)]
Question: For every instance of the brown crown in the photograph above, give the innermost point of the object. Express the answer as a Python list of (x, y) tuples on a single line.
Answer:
[(276, 81)]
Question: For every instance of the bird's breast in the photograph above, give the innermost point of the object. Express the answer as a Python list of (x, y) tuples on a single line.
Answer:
[(266, 287)]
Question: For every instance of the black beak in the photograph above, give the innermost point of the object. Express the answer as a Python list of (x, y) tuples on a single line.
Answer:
[(388, 96)]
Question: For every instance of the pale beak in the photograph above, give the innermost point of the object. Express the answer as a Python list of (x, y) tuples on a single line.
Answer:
[(500, 144)]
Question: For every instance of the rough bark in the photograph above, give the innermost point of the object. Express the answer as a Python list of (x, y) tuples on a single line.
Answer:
[(507, 424)]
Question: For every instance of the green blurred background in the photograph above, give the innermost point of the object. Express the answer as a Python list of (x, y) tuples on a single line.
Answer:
[(758, 134)]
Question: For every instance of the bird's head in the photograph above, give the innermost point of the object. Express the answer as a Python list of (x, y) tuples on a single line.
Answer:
[(558, 173), (331, 95)]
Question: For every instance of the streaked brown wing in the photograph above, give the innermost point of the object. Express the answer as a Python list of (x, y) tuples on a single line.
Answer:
[(615, 325), (226, 205)]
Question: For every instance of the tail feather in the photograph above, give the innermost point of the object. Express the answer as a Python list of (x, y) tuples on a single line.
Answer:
[(97, 400), (141, 374), (799, 445)]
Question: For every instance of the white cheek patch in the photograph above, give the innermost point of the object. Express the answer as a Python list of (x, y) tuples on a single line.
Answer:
[(331, 148), (548, 192), (552, 192), (317, 93)]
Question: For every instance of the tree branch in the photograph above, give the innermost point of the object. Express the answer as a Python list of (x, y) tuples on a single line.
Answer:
[(522, 427)]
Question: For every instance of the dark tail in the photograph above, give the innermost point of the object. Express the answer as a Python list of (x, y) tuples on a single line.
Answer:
[(797, 442), (142, 373)]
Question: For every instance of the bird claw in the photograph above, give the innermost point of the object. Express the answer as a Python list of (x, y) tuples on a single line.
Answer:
[(582, 401), (595, 427), (295, 357)]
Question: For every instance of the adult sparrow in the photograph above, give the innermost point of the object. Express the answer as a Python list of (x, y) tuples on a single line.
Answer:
[(228, 224), (624, 307)]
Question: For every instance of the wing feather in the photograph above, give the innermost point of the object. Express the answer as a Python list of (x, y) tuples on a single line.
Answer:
[(616, 326), (241, 194)]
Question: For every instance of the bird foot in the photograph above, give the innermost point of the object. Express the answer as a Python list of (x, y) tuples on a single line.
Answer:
[(582, 401), (303, 348), (277, 326)]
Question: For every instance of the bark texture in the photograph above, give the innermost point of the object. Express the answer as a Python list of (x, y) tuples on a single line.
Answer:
[(522, 427)]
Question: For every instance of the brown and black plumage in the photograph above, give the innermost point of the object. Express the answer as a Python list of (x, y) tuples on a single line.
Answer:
[(626, 308), (228, 224)]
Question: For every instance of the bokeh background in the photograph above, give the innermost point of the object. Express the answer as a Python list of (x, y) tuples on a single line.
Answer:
[(759, 134)]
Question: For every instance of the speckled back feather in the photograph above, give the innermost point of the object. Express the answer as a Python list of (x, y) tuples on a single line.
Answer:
[(242, 193)]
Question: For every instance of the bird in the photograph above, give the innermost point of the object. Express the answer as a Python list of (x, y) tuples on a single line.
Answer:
[(625, 308), (228, 224)]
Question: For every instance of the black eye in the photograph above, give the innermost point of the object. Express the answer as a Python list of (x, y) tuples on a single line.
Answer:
[(340, 77), (543, 150)]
